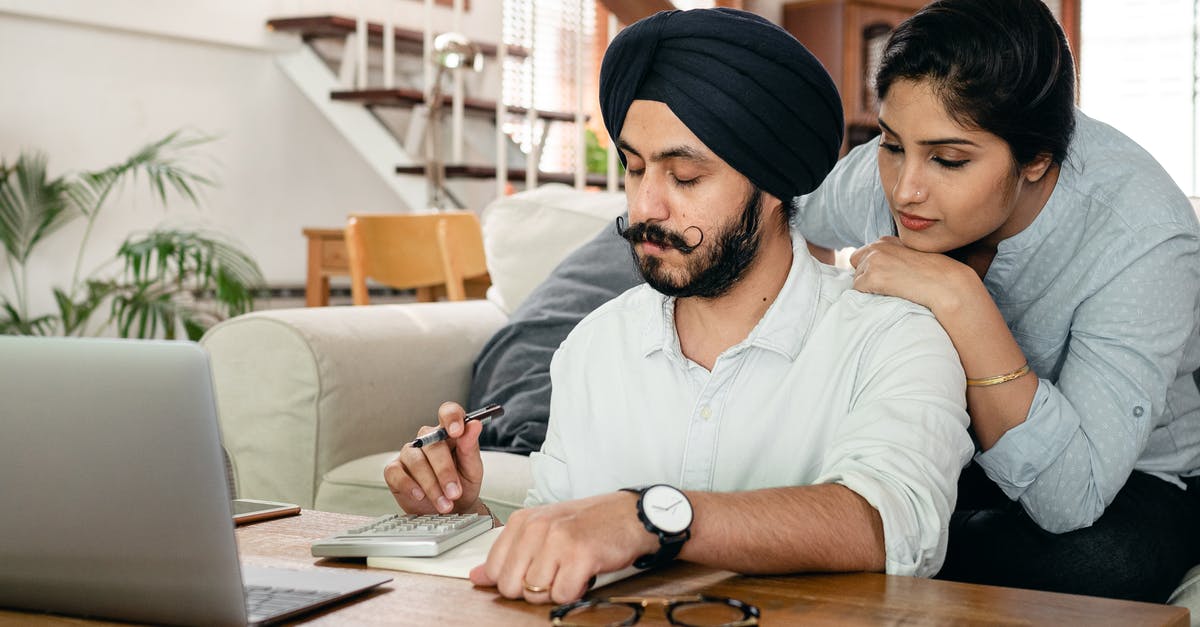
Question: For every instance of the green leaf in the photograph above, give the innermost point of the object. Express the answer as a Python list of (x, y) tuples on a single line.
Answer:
[(168, 271), (32, 205), (76, 314), (12, 323), (165, 276)]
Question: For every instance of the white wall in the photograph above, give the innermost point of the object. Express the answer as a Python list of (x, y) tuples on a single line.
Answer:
[(1137, 75), (88, 82)]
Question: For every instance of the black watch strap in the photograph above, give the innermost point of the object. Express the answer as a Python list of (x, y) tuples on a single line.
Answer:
[(669, 544)]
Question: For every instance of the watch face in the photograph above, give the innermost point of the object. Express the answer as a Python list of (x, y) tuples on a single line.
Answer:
[(667, 508)]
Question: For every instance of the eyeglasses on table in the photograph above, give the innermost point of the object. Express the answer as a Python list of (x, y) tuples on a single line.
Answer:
[(686, 611)]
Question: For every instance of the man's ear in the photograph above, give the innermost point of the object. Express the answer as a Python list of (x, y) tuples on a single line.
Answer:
[(1036, 169), (770, 205)]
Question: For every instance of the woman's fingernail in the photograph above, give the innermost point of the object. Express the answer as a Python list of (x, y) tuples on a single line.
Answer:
[(452, 490)]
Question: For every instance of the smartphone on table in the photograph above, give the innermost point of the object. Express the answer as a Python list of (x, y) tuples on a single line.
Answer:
[(252, 510)]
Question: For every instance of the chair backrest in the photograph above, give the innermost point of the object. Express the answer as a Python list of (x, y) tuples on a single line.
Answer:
[(415, 250)]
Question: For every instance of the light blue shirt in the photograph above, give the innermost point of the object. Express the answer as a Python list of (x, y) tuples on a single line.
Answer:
[(1101, 293), (831, 386)]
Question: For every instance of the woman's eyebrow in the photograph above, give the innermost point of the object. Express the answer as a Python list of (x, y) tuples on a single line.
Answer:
[(931, 142)]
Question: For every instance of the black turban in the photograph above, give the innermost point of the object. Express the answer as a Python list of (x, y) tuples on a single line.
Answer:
[(753, 94)]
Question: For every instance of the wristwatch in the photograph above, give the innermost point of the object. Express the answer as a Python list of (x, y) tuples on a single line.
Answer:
[(667, 513)]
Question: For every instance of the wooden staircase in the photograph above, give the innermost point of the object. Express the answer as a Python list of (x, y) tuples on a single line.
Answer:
[(406, 97), (407, 41), (410, 42), (514, 174)]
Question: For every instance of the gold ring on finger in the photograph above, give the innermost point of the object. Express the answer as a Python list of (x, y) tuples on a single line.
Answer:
[(535, 589)]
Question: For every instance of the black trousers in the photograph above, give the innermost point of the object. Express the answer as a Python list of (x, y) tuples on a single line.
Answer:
[(1138, 550)]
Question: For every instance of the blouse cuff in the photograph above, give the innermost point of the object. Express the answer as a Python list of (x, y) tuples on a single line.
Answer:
[(1021, 454)]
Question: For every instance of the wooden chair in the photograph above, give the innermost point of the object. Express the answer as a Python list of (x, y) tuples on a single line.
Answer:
[(416, 250)]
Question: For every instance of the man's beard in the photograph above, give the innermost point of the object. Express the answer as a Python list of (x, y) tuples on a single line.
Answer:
[(709, 272)]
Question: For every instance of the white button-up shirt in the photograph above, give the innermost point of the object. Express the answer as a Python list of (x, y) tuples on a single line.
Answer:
[(831, 386)]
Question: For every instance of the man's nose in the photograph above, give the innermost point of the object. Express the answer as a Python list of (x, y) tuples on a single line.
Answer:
[(647, 200)]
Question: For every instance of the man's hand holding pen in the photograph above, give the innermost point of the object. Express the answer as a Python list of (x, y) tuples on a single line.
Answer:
[(443, 476), (547, 553)]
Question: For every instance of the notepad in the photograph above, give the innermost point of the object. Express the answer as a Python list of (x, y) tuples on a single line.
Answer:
[(459, 561)]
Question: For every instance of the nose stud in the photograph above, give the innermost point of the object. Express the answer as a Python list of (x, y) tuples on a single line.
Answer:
[(917, 193)]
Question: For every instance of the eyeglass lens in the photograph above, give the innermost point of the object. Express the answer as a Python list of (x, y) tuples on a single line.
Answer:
[(698, 614), (601, 615), (706, 614)]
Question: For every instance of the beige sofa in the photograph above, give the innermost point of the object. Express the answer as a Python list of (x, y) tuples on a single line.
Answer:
[(314, 402)]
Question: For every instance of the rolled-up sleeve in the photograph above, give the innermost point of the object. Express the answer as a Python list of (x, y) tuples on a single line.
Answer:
[(905, 442), (1085, 432)]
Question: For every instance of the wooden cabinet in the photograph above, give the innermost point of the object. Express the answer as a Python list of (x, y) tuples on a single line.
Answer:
[(848, 37)]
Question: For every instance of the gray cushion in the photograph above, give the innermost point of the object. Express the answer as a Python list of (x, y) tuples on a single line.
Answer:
[(513, 368)]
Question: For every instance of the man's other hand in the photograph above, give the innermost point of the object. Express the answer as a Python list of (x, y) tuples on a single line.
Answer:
[(443, 477), (549, 553)]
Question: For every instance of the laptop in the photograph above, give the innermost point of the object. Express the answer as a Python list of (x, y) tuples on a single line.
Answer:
[(113, 496)]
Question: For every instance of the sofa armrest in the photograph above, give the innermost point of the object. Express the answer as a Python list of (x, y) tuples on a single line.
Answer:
[(302, 391)]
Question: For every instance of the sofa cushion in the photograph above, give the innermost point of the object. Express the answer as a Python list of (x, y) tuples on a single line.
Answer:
[(513, 368), (303, 391), (526, 235), (357, 487)]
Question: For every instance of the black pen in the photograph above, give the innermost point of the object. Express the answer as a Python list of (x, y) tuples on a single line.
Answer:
[(439, 435)]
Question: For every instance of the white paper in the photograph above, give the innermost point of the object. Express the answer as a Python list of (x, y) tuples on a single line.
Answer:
[(459, 561)]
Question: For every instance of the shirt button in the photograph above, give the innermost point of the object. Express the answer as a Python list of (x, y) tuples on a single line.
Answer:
[(706, 412), (1138, 411)]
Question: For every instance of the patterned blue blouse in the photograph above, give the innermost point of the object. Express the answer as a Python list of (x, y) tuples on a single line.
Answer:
[(1102, 293)]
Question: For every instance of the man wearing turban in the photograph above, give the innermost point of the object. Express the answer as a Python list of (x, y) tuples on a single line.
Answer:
[(782, 421)]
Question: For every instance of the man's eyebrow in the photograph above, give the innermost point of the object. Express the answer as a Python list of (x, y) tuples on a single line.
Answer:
[(687, 153), (931, 142)]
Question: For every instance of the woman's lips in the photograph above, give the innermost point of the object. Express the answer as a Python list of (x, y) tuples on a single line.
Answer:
[(914, 223)]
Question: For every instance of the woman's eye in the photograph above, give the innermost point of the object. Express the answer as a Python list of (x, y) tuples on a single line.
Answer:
[(950, 163)]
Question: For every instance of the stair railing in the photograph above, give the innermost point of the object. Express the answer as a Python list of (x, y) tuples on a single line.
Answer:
[(359, 51)]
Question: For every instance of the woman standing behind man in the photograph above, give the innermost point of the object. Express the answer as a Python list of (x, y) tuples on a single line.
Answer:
[(1065, 266)]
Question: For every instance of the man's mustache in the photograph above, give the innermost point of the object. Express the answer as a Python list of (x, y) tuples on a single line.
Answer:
[(657, 235)]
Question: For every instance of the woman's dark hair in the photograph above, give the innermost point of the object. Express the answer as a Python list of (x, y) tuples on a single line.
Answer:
[(1002, 66)]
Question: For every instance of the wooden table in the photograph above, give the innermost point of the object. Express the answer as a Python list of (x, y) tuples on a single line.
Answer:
[(849, 599)]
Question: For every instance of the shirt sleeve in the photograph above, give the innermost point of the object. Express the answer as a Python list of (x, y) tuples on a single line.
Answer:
[(845, 210), (551, 483), (905, 441), (1085, 432)]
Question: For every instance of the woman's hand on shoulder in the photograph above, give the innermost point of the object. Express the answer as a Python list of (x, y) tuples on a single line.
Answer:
[(890, 268)]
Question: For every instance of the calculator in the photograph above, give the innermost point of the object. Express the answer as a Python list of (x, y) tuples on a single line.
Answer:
[(404, 535)]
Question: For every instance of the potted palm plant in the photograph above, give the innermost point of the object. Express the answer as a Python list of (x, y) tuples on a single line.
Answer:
[(166, 281)]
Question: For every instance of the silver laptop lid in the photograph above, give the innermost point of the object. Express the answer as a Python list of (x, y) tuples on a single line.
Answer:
[(112, 489)]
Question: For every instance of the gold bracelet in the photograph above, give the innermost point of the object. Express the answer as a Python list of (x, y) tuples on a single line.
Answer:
[(998, 379)]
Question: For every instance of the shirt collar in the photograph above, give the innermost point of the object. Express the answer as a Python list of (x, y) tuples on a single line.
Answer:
[(783, 328), (1010, 257)]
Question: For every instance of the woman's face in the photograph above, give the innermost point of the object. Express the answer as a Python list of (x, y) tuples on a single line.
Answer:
[(949, 185)]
